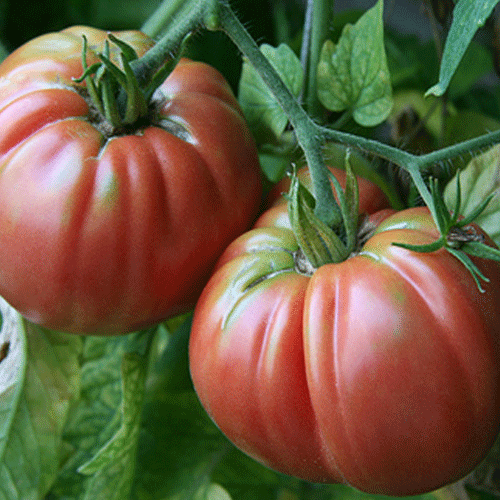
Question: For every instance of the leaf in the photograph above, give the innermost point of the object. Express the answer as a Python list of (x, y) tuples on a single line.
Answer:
[(97, 417), (179, 447), (39, 382), (262, 111), (468, 17), (113, 466), (478, 180), (353, 75)]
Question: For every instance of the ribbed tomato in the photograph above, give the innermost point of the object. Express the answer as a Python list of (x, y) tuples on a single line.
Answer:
[(108, 230), (381, 371)]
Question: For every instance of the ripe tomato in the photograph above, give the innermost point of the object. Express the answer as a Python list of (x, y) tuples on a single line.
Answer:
[(104, 232), (382, 371), (371, 197)]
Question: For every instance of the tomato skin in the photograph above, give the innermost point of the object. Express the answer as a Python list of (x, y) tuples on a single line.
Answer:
[(371, 197), (107, 235), (382, 371)]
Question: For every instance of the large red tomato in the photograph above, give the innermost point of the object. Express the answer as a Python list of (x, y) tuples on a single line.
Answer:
[(382, 371), (107, 231)]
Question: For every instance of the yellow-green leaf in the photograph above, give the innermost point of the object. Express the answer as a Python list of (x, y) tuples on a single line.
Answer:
[(353, 75)]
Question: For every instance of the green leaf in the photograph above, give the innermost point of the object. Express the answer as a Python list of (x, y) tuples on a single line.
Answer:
[(466, 124), (468, 17), (179, 447), (97, 417), (113, 466), (353, 75), (475, 214), (262, 111), (182, 455), (244, 478), (479, 180), (39, 381)]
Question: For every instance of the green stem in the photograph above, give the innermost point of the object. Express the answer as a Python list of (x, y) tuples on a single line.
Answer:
[(183, 16), (306, 39), (157, 22), (405, 160), (342, 119), (179, 17), (322, 15), (174, 19), (310, 140), (455, 150)]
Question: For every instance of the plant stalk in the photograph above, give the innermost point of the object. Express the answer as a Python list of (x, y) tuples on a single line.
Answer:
[(405, 160), (308, 135), (321, 21), (183, 16), (174, 19)]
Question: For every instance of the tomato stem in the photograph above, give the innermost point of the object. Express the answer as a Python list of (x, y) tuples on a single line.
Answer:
[(326, 208), (321, 17), (175, 20)]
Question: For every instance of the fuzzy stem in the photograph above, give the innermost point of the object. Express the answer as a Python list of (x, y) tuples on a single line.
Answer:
[(310, 140), (405, 160), (174, 19), (184, 16)]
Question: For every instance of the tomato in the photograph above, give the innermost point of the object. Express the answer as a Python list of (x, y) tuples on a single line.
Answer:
[(371, 197), (382, 371), (107, 232)]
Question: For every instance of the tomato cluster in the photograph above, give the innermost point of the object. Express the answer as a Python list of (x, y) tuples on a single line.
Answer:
[(108, 232), (382, 371)]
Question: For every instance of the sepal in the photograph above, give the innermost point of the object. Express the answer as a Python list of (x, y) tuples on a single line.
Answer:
[(319, 243)]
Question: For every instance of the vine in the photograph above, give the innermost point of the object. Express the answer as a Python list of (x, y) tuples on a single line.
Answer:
[(174, 19)]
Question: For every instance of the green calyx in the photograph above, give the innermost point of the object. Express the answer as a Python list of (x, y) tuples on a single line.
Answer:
[(115, 92), (319, 243), (458, 237)]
